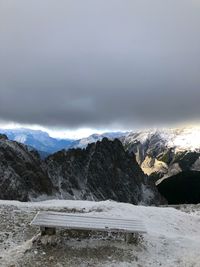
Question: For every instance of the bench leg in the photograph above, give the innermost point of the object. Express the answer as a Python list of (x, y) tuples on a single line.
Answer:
[(47, 231), (132, 238)]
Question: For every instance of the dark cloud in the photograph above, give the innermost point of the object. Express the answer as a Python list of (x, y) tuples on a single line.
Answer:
[(97, 63)]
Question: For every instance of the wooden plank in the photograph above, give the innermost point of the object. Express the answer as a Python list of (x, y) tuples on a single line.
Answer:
[(117, 230), (48, 223), (88, 221), (86, 218), (88, 224), (84, 215), (85, 221)]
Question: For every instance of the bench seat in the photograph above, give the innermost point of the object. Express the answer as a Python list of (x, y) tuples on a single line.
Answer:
[(53, 220)]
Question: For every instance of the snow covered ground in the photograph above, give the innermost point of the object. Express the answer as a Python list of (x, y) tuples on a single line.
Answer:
[(173, 238)]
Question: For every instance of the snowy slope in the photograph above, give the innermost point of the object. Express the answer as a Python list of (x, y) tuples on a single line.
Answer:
[(83, 142), (187, 138), (172, 239), (166, 152)]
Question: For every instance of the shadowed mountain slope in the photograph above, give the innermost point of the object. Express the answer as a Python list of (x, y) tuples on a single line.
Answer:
[(104, 170)]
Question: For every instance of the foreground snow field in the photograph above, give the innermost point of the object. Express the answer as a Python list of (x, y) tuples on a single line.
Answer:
[(173, 237)]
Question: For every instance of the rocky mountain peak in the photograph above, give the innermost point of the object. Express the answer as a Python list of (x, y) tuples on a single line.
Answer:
[(104, 170), (21, 174), (3, 137)]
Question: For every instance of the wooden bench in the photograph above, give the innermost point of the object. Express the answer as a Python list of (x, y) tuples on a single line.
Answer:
[(48, 221)]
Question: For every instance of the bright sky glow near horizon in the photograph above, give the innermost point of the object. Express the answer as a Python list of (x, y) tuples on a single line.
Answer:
[(59, 133), (85, 132)]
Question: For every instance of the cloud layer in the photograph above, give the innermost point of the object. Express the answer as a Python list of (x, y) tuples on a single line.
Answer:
[(99, 63)]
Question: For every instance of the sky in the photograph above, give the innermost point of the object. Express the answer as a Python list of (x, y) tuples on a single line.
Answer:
[(99, 65)]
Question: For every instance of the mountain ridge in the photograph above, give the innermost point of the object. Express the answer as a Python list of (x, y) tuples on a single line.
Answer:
[(100, 171), (37, 139), (103, 170), (21, 174), (46, 145), (164, 153)]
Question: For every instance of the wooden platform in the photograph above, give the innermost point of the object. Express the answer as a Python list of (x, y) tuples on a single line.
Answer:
[(52, 220)]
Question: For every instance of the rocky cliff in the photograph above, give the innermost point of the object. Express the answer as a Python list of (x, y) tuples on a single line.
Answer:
[(21, 174), (165, 153), (171, 158), (104, 170)]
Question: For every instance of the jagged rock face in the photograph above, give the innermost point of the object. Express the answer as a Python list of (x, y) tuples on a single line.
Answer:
[(21, 174), (104, 170), (159, 153), (143, 144), (171, 158)]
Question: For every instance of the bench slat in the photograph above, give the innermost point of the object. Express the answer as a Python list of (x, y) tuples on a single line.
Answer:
[(84, 215), (52, 225), (45, 222), (85, 220), (90, 223)]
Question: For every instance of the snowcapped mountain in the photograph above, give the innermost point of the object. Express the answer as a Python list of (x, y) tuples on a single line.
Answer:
[(37, 139), (46, 145), (181, 139), (165, 152), (82, 143)]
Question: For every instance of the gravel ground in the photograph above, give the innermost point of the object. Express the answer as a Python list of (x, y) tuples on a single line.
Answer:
[(21, 245)]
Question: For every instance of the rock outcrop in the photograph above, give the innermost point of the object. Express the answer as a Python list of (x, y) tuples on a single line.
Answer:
[(162, 154), (21, 174), (104, 170)]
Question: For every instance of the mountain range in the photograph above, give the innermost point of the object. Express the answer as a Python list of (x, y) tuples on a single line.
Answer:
[(47, 145), (170, 158), (104, 170), (37, 139)]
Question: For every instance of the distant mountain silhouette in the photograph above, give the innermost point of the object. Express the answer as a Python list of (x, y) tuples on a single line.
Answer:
[(37, 139)]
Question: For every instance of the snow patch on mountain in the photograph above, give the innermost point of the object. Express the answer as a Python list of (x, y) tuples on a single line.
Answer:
[(184, 138), (187, 138), (82, 143), (165, 151)]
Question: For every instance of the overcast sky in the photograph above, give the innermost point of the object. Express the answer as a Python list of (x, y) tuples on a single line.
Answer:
[(99, 63)]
